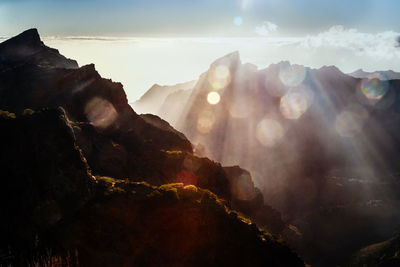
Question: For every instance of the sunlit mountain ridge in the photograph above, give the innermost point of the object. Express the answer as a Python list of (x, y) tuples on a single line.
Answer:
[(317, 141)]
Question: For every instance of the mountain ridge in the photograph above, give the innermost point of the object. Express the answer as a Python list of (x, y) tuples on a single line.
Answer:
[(116, 142), (295, 128)]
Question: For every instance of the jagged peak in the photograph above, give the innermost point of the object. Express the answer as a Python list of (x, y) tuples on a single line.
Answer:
[(155, 86), (89, 67), (284, 63), (30, 33), (29, 37), (27, 47), (230, 59), (330, 68), (358, 70)]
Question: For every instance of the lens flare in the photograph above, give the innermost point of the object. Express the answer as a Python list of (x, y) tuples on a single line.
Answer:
[(351, 120), (205, 121), (190, 164), (296, 102), (219, 77), (186, 177), (221, 72), (100, 112), (213, 98), (292, 75), (269, 132), (238, 20), (374, 89)]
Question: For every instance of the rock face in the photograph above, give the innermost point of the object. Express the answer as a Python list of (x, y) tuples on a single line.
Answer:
[(87, 98), (46, 157), (170, 225), (27, 48), (383, 254), (44, 176), (50, 199), (317, 141)]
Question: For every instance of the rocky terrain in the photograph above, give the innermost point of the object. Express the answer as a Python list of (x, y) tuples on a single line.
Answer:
[(381, 254), (67, 130)]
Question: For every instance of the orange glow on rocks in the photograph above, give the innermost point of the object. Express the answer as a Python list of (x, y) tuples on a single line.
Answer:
[(186, 177)]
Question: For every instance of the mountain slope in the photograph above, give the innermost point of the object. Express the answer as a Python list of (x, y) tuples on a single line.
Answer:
[(381, 254), (317, 142), (27, 48), (50, 200), (114, 141)]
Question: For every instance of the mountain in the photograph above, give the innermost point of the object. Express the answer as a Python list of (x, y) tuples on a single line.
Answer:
[(51, 201), (67, 131), (382, 75), (27, 48), (156, 95), (381, 254), (44, 177), (320, 145)]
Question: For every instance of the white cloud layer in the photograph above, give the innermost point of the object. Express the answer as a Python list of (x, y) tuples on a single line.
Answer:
[(266, 28), (383, 45)]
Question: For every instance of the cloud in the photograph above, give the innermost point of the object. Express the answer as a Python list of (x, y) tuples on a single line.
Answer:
[(266, 28), (382, 45)]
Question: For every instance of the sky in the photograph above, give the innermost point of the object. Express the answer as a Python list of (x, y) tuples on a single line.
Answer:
[(194, 17), (140, 43)]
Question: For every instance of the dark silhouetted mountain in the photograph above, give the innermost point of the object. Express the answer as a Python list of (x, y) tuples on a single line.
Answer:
[(51, 200), (27, 48), (115, 140), (90, 118), (170, 225), (44, 177), (315, 140), (383, 254), (383, 75)]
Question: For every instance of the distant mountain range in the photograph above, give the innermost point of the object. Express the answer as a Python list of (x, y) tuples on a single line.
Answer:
[(382, 75), (318, 142), (84, 176)]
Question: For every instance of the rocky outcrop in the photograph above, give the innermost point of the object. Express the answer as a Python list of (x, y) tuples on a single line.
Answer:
[(170, 225), (248, 199), (27, 48), (44, 177), (382, 254), (50, 200), (86, 97)]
